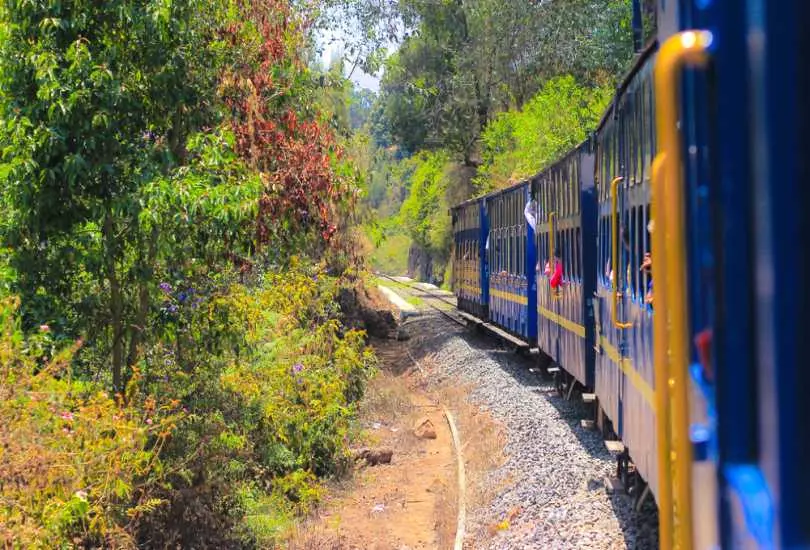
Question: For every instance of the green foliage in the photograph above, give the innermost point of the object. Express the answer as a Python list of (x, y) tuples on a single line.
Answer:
[(161, 161), (460, 63), (73, 462), (270, 380), (423, 210), (259, 392), (518, 144), (390, 256)]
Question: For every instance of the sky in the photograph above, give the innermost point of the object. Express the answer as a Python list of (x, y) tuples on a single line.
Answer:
[(359, 77)]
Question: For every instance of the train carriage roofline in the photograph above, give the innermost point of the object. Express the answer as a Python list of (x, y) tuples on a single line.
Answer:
[(565, 157), (643, 57), (641, 60)]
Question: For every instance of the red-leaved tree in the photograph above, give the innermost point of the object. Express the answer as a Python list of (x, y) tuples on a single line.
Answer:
[(276, 130)]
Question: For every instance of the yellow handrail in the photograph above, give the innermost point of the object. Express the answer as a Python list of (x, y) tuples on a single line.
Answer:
[(660, 348), (555, 294), (614, 193), (688, 48)]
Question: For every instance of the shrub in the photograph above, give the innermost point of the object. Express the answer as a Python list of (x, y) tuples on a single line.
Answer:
[(268, 414), (73, 460)]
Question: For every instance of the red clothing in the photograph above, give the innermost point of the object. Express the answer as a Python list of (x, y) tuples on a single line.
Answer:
[(556, 279)]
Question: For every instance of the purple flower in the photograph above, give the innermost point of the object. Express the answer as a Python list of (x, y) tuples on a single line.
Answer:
[(165, 287), (182, 297), (172, 308), (298, 367), (299, 381)]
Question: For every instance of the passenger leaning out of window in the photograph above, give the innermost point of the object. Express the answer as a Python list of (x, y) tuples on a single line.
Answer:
[(646, 267), (555, 278)]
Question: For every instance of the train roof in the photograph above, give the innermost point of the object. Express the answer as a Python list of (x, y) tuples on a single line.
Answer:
[(641, 60)]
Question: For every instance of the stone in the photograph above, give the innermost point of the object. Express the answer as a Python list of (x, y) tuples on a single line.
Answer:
[(374, 457), (424, 428)]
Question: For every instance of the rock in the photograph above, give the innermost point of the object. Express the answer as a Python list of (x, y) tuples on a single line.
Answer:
[(424, 429), (373, 457)]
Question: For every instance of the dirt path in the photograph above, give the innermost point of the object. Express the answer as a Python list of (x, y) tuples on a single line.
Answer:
[(404, 504), (411, 503), (407, 504)]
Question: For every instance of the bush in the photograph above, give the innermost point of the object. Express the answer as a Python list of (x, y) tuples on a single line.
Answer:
[(518, 144), (221, 439), (73, 461), (268, 414)]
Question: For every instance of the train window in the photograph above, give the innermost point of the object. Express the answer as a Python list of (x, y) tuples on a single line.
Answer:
[(638, 153), (600, 252), (647, 247), (573, 250), (650, 119), (638, 249), (522, 248), (495, 251), (579, 254), (510, 249), (571, 257), (627, 140), (564, 189), (572, 262), (634, 248), (569, 192), (602, 249), (606, 252), (491, 252), (569, 263), (519, 250), (634, 131), (501, 251)]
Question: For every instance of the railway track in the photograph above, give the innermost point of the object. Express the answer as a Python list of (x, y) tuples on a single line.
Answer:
[(428, 297)]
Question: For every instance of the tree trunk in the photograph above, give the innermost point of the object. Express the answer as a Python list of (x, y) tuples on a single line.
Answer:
[(141, 317), (116, 302)]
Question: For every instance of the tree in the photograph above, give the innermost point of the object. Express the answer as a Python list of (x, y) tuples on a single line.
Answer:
[(94, 99)]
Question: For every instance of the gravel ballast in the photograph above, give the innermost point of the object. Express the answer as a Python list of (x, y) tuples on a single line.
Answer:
[(553, 479)]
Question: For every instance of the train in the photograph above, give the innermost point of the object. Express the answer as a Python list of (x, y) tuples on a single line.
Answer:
[(660, 267)]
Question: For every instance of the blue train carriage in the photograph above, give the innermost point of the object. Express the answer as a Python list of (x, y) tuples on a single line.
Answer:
[(566, 214), (733, 126), (624, 377), (512, 259), (470, 272)]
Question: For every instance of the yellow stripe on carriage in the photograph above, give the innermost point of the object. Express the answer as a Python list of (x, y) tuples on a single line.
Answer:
[(516, 298), (471, 289), (626, 365), (565, 323)]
